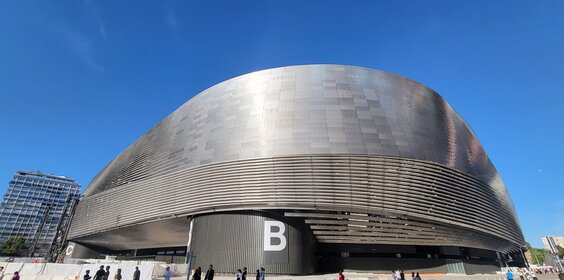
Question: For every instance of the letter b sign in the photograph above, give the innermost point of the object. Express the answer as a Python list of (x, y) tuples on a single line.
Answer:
[(274, 239)]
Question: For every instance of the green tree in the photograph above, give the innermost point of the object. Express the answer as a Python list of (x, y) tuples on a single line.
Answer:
[(13, 246), (540, 253), (560, 252), (537, 255)]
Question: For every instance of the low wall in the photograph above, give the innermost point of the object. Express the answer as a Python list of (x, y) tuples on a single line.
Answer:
[(73, 271)]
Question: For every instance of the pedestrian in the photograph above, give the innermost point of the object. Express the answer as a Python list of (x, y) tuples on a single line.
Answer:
[(258, 275), (394, 275), (1, 272), (167, 273), (106, 273), (239, 275), (262, 273), (402, 276), (417, 277), (341, 276), (118, 274), (87, 275), (16, 276), (197, 274), (244, 275), (99, 274), (398, 275), (136, 274), (509, 275), (412, 275), (210, 273)]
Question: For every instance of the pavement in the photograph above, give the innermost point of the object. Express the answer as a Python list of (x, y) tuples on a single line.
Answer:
[(373, 276)]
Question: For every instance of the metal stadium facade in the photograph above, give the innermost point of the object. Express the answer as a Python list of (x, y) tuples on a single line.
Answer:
[(302, 169)]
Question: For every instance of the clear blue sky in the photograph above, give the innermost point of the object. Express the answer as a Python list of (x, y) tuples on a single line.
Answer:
[(81, 80)]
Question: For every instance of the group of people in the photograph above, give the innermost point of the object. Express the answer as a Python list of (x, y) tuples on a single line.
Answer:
[(197, 273), (399, 275), (396, 275), (240, 275), (526, 274), (102, 274)]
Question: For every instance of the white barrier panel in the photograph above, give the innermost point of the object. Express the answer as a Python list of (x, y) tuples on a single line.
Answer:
[(59, 271), (10, 268), (30, 270), (159, 270), (175, 269), (56, 271), (182, 268), (4, 265)]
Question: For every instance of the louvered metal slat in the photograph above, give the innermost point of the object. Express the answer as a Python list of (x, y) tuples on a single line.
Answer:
[(275, 187)]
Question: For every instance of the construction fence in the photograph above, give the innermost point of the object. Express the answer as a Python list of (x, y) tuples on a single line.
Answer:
[(76, 271)]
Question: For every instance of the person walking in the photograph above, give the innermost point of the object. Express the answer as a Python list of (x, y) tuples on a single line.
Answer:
[(210, 273), (417, 277), (118, 274), (341, 275), (262, 274), (197, 274), (106, 273), (99, 274), (258, 275), (402, 276), (87, 275), (1, 272), (16, 276), (167, 273), (136, 274), (412, 275), (509, 275), (244, 275), (239, 275)]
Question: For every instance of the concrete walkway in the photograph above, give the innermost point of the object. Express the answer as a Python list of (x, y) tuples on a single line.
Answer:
[(372, 276)]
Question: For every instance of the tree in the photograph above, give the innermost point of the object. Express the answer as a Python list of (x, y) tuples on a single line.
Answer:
[(560, 252), (540, 254), (537, 255), (13, 246)]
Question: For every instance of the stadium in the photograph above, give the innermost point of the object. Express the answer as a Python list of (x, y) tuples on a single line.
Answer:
[(305, 169)]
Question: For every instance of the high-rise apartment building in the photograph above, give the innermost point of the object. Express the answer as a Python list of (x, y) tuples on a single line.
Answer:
[(34, 206), (552, 243)]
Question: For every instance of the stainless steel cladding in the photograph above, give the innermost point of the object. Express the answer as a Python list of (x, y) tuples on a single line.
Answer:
[(363, 156), (231, 241)]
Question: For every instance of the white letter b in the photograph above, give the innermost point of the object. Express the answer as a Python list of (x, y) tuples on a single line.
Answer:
[(269, 234)]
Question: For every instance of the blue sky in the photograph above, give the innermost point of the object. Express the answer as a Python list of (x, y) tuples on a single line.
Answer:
[(81, 80)]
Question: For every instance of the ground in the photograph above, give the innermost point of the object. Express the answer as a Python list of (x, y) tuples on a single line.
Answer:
[(372, 276)]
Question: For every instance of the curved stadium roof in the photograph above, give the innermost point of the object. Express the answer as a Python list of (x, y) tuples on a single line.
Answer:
[(315, 138)]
